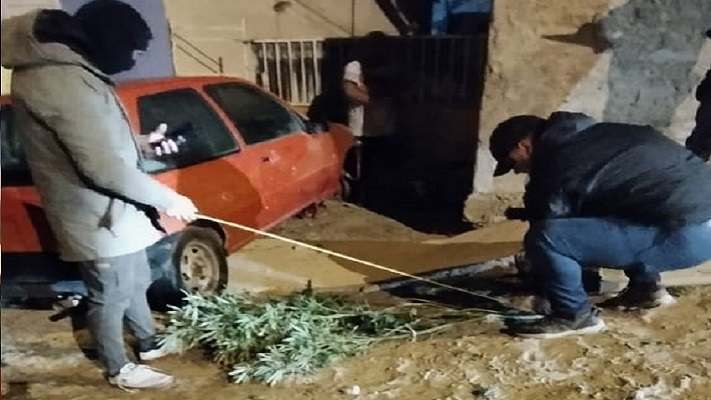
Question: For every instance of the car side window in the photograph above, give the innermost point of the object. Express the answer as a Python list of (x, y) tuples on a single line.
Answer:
[(191, 122), (15, 171), (258, 117)]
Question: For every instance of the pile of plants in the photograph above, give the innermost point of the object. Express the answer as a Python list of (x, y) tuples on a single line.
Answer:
[(269, 339)]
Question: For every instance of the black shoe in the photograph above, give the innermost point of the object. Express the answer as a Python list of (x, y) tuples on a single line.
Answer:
[(639, 297), (556, 326)]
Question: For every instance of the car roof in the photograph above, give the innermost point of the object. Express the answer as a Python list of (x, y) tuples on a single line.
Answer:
[(159, 84)]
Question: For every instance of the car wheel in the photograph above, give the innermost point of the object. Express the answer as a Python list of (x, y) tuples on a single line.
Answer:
[(201, 261), (345, 189)]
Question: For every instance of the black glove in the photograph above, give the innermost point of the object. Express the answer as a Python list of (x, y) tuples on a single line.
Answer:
[(516, 213)]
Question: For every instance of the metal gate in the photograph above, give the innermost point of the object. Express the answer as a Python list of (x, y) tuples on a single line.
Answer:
[(435, 69), (437, 88), (291, 69)]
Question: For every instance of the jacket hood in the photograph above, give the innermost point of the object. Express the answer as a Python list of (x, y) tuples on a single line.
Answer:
[(562, 127), (42, 37)]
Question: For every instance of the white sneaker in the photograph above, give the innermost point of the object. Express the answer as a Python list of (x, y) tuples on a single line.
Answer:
[(138, 376), (154, 354)]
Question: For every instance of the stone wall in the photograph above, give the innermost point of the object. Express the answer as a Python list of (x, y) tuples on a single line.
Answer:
[(634, 61)]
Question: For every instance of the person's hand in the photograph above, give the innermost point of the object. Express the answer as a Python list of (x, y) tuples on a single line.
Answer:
[(516, 213), (183, 209), (159, 143)]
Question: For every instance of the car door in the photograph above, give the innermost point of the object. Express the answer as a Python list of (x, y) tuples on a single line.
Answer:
[(24, 226), (209, 168), (292, 161)]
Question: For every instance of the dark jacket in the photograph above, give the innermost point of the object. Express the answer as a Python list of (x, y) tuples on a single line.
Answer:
[(703, 91), (585, 169)]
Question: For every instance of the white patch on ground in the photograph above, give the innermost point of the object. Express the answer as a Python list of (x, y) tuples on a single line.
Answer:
[(24, 360), (541, 366), (660, 391)]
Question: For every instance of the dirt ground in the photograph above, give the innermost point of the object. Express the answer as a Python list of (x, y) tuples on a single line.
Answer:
[(659, 355)]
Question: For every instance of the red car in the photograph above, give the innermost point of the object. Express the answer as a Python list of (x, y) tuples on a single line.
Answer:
[(245, 156)]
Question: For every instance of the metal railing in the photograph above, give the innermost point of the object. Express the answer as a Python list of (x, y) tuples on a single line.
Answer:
[(216, 65), (291, 69)]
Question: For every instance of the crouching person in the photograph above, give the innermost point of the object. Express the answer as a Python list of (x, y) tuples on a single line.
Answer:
[(606, 194)]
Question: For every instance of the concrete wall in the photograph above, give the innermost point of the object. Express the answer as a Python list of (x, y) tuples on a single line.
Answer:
[(157, 62), (632, 61), (220, 28)]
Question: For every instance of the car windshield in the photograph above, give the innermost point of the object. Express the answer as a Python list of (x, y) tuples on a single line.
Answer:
[(190, 121)]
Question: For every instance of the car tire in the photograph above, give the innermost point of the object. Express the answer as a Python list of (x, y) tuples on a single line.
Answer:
[(201, 261), (194, 249), (345, 189)]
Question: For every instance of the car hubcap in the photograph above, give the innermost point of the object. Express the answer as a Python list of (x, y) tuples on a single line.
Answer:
[(198, 264)]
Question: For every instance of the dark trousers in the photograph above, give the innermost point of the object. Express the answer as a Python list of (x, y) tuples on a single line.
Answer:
[(700, 140), (116, 294)]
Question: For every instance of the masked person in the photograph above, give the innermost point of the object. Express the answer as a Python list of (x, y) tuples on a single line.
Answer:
[(603, 194), (84, 163)]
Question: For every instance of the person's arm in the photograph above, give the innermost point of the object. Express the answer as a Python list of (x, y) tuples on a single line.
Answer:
[(80, 127), (353, 87), (545, 198), (356, 95)]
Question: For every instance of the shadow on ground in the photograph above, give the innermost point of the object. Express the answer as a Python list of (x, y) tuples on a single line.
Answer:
[(428, 199)]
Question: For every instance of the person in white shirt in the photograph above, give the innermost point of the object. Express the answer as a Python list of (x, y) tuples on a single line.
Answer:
[(357, 95)]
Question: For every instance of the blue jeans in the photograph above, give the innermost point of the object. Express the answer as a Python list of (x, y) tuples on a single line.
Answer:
[(558, 248)]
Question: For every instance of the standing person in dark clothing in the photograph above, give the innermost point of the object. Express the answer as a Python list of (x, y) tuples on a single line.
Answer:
[(700, 140), (618, 195)]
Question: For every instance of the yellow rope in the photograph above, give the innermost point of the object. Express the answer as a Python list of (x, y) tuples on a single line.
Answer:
[(349, 258)]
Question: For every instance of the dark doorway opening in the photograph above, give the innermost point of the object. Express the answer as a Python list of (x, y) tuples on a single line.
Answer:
[(422, 173)]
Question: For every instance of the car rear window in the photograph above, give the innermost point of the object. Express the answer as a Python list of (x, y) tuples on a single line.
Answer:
[(191, 121), (257, 116), (14, 167)]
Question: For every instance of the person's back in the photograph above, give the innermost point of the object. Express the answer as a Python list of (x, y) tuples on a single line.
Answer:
[(617, 170)]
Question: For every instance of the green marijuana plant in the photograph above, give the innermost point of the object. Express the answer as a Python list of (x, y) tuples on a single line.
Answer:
[(271, 339)]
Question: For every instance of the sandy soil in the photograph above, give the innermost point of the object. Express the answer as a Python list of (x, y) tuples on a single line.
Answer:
[(663, 354)]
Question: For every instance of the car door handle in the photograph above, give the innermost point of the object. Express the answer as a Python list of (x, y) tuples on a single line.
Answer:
[(270, 158)]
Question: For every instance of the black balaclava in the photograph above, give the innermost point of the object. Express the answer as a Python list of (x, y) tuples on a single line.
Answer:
[(115, 30)]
